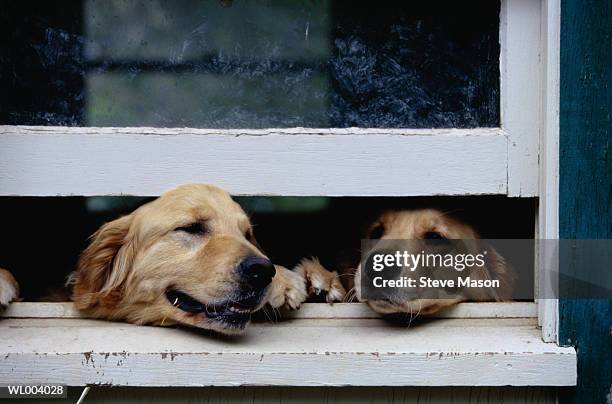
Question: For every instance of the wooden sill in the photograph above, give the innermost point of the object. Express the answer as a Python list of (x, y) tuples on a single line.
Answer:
[(314, 351), (306, 311)]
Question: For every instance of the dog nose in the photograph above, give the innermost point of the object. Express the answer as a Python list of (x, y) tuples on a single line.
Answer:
[(257, 272)]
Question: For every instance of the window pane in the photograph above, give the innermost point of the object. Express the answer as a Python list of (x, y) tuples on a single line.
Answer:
[(251, 64)]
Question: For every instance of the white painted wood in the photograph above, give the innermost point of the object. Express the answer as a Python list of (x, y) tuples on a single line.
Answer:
[(305, 163), (521, 92), (41, 310), (348, 352), (54, 130), (462, 310), (548, 214), (306, 311), (490, 310), (147, 161)]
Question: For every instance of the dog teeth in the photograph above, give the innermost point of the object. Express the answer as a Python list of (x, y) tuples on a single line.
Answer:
[(239, 310)]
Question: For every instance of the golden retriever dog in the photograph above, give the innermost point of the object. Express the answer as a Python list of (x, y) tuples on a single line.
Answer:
[(188, 257), (9, 289), (422, 225)]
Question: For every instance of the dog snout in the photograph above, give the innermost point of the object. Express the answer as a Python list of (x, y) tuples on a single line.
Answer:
[(256, 272)]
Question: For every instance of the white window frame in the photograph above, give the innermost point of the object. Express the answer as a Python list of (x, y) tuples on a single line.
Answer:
[(519, 159), (548, 213)]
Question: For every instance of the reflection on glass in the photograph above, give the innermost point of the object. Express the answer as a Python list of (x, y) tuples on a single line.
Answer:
[(258, 63)]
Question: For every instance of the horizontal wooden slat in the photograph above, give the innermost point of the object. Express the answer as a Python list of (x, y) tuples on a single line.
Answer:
[(41, 161), (462, 310), (316, 352), (306, 311)]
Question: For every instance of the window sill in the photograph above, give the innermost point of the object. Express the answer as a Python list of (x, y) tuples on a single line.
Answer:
[(300, 351)]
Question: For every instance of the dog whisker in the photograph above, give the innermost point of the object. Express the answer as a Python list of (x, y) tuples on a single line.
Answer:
[(265, 312), (413, 316), (350, 295)]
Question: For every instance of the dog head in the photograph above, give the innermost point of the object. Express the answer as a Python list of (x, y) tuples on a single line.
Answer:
[(188, 257), (432, 230)]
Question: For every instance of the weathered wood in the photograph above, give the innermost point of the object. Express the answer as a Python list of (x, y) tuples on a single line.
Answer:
[(585, 206), (148, 161), (521, 92), (348, 352), (548, 206), (306, 311)]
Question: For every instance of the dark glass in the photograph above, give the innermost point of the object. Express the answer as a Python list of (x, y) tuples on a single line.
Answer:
[(250, 64)]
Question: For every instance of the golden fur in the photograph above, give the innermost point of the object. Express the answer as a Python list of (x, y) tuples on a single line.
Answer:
[(9, 289), (415, 225), (132, 262)]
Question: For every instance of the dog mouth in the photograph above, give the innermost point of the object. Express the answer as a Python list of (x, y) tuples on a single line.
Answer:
[(231, 313)]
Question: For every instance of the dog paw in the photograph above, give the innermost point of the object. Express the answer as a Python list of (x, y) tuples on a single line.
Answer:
[(287, 290), (9, 289), (320, 280)]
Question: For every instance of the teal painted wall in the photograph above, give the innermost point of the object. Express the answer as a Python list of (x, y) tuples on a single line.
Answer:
[(585, 189)]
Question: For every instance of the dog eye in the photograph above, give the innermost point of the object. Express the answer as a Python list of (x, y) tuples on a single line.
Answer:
[(377, 231), (433, 235), (193, 228)]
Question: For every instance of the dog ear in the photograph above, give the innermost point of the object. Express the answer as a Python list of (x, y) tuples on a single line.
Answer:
[(104, 266)]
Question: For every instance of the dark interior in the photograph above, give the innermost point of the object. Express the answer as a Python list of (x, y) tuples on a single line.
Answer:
[(43, 237)]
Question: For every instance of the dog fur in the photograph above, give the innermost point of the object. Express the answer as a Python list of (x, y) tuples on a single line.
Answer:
[(417, 225), (9, 289), (132, 262)]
